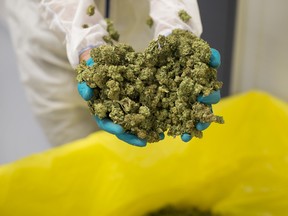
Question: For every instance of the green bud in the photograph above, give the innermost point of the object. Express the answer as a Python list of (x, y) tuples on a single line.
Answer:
[(184, 16), (111, 30), (85, 26), (155, 91), (90, 10), (150, 22)]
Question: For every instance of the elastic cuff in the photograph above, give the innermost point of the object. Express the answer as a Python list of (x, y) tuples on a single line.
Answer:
[(90, 47), (85, 49)]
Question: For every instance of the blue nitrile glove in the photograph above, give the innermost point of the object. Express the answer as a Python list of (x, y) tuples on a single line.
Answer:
[(213, 98), (106, 124)]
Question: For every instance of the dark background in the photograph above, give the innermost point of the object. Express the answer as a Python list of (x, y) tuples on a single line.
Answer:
[(218, 19)]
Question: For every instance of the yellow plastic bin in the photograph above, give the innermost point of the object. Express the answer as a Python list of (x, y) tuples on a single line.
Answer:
[(237, 169)]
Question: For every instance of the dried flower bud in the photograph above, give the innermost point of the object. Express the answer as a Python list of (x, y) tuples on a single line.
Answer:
[(155, 91), (90, 10), (85, 26), (184, 16), (150, 22), (111, 30)]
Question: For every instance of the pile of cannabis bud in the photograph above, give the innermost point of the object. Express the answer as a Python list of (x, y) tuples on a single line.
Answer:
[(156, 90)]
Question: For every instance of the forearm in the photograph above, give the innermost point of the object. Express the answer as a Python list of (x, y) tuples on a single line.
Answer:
[(166, 18), (67, 19)]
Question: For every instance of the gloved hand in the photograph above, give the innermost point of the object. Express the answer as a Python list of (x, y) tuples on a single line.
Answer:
[(213, 98)]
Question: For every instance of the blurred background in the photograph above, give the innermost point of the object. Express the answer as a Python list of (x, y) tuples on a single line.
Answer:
[(250, 35), (20, 133)]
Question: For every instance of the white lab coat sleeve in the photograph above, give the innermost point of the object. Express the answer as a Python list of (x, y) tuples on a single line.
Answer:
[(66, 18), (165, 16)]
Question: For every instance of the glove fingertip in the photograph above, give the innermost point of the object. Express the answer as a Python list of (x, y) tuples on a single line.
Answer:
[(186, 137), (85, 91), (202, 126), (132, 139), (216, 95), (114, 129), (161, 136), (213, 98), (139, 143), (215, 59)]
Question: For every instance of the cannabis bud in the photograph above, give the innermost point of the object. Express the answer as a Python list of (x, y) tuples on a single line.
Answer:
[(113, 35), (149, 22), (154, 91), (90, 10), (184, 16)]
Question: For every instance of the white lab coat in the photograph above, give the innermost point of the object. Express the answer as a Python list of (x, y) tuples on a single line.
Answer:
[(48, 37)]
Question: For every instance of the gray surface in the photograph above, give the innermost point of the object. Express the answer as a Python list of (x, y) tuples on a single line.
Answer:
[(20, 134), (218, 18)]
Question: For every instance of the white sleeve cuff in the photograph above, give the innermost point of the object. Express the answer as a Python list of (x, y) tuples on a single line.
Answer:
[(67, 18)]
